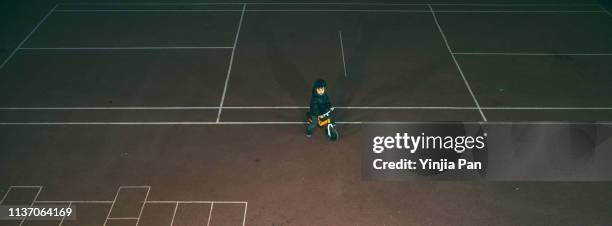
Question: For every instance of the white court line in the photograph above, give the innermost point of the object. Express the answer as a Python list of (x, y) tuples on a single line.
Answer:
[(132, 187), (475, 108), (11, 188), (112, 206), (604, 9), (146, 3), (513, 4), (147, 123), (143, 205), (75, 201), (30, 186), (229, 70), (339, 10), (145, 10), (537, 54), (115, 200), (147, 202), (107, 108), (302, 107), (519, 11), (548, 108), (246, 206), (328, 10), (456, 63), (149, 108), (27, 37), (32, 204), (126, 48), (174, 214), (64, 217), (198, 202), (330, 3), (6, 194), (242, 123), (474, 123), (236, 10), (210, 214), (342, 50)]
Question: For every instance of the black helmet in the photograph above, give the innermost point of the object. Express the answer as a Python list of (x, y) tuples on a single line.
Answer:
[(320, 83)]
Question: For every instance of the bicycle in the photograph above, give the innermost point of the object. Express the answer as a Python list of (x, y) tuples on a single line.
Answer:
[(325, 120)]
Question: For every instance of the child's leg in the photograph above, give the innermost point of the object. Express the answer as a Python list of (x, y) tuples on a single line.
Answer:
[(311, 125)]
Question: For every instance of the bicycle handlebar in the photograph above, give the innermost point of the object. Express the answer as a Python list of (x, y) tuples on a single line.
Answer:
[(326, 113)]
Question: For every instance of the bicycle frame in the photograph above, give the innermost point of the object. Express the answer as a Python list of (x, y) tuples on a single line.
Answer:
[(325, 120)]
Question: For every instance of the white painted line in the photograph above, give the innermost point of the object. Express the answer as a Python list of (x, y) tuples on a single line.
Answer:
[(302, 107), (148, 202), (513, 4), (31, 186), (457, 63), (342, 50), (6, 194), (474, 122), (229, 69), (123, 218), (112, 205), (328, 10), (108, 108), (210, 214), (409, 108), (549, 108), (236, 10), (64, 217), (198, 202), (604, 9), (339, 10), (144, 202), (143, 205), (149, 108), (330, 3), (36, 197), (27, 37), (174, 214), (146, 3), (130, 187), (200, 123), (147, 123), (476, 108), (145, 10), (519, 11), (271, 107), (246, 206), (237, 3), (32, 204), (128, 48), (76, 202), (538, 54), (424, 4)]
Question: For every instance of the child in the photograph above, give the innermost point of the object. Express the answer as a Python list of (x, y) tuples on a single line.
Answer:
[(319, 104)]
